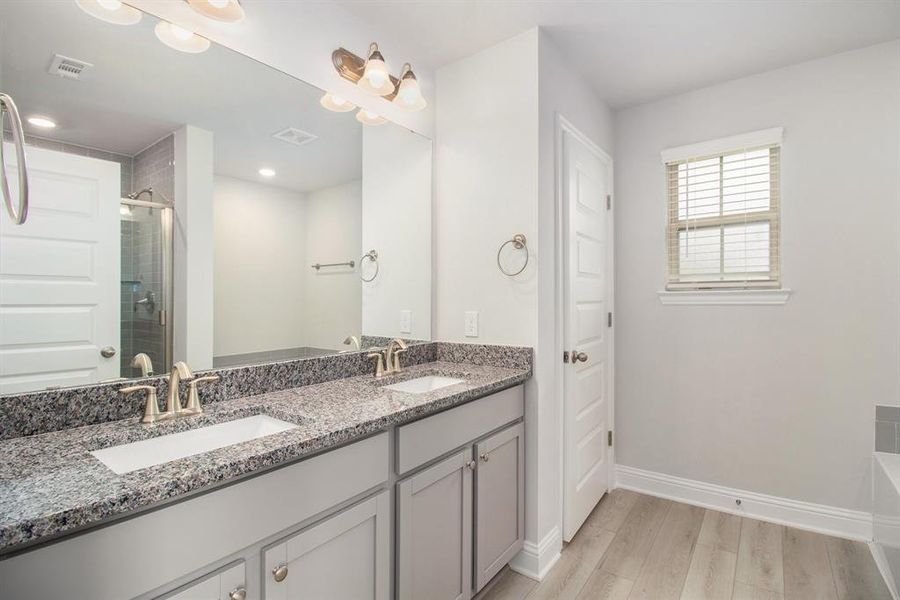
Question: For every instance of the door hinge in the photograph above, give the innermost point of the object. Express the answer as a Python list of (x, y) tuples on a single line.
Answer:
[(609, 319), (609, 438), (608, 201)]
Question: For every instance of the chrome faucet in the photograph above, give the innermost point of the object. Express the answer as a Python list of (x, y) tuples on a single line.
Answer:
[(392, 355), (180, 371)]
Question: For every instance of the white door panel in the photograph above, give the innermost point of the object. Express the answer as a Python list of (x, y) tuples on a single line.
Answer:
[(587, 299), (59, 275)]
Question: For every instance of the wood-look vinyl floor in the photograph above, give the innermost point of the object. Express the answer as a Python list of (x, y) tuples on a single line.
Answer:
[(637, 547)]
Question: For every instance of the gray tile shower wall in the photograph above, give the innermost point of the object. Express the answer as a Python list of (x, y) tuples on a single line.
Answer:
[(887, 429), (52, 410)]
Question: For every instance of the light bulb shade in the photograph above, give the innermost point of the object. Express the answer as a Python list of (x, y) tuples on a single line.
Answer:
[(336, 103), (229, 11), (180, 39), (367, 117), (375, 78), (111, 11), (409, 95)]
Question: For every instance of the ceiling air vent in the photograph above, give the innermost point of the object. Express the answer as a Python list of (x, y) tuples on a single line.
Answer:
[(295, 136), (70, 68)]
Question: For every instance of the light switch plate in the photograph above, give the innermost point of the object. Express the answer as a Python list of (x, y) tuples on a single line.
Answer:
[(405, 321), (471, 323)]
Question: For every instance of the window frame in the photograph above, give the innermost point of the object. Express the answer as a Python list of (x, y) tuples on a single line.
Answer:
[(770, 280)]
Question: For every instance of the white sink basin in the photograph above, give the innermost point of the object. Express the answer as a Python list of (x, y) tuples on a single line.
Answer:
[(423, 385), (166, 448)]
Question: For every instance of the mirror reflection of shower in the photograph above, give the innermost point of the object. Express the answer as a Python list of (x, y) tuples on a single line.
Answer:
[(146, 290)]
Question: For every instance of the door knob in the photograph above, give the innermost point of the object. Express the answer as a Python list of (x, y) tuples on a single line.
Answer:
[(107, 351), (280, 572), (579, 356)]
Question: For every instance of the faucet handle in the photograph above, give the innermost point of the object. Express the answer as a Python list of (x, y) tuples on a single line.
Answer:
[(379, 364), (151, 408), (193, 406), (396, 368)]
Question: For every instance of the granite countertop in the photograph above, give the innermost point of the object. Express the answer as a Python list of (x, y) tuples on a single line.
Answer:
[(50, 484)]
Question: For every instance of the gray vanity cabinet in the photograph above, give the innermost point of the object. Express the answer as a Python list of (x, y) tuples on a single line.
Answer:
[(230, 584), (499, 501), (434, 528), (346, 556)]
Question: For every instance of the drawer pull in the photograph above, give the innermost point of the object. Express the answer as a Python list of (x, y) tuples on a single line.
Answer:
[(280, 572), (484, 457), (239, 593)]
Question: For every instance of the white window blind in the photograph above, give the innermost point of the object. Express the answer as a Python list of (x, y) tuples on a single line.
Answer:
[(723, 219)]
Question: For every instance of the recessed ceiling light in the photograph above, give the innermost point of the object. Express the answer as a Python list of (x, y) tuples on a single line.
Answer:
[(111, 11), (229, 11), (336, 103), (180, 38), (42, 122), (266, 172), (367, 117)]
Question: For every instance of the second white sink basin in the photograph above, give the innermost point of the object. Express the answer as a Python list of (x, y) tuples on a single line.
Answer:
[(422, 385), (166, 448)]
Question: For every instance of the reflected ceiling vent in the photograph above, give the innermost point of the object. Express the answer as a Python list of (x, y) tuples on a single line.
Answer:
[(295, 136), (70, 68)]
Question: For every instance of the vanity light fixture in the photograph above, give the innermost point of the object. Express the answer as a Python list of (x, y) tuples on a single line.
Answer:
[(42, 122), (267, 172), (409, 95), (228, 11), (111, 11), (367, 117), (336, 103), (180, 39)]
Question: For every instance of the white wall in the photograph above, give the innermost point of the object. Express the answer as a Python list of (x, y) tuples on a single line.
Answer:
[(773, 399), (332, 296), (258, 286), (396, 222), (298, 38), (495, 131)]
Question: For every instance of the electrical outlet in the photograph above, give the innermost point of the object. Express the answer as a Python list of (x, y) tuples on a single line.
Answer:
[(405, 321), (471, 323)]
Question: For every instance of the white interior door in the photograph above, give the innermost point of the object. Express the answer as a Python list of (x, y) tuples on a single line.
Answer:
[(587, 273), (59, 274)]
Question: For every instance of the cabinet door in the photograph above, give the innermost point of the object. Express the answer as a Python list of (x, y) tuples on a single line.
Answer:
[(435, 531), (346, 556), (499, 501)]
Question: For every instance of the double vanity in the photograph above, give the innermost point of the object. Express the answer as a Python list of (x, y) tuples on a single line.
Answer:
[(404, 486)]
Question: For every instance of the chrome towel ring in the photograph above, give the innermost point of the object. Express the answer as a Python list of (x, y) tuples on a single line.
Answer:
[(15, 124), (373, 256), (519, 243)]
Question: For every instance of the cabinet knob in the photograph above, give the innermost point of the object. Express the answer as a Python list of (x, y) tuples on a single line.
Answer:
[(239, 593), (280, 572), (107, 351), (484, 457), (471, 465)]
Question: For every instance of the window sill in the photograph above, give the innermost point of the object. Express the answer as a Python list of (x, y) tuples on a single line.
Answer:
[(726, 297)]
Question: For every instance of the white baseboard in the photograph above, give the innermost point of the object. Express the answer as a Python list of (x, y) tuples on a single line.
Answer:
[(882, 563), (830, 520), (536, 560)]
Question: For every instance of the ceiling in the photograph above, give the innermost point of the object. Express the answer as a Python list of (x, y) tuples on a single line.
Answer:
[(637, 51), (139, 91)]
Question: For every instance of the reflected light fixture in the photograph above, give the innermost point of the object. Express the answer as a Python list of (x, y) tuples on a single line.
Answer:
[(375, 78), (367, 117), (335, 103), (180, 39), (111, 11), (228, 11), (42, 122), (267, 172), (409, 95)]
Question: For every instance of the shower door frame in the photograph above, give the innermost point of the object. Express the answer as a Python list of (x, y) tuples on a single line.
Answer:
[(167, 216)]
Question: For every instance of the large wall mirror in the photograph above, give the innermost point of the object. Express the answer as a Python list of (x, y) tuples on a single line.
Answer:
[(195, 206)]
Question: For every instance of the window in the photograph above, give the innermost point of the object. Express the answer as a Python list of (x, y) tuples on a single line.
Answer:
[(723, 213)]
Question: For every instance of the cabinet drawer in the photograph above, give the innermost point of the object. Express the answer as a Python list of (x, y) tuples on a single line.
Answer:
[(425, 440)]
